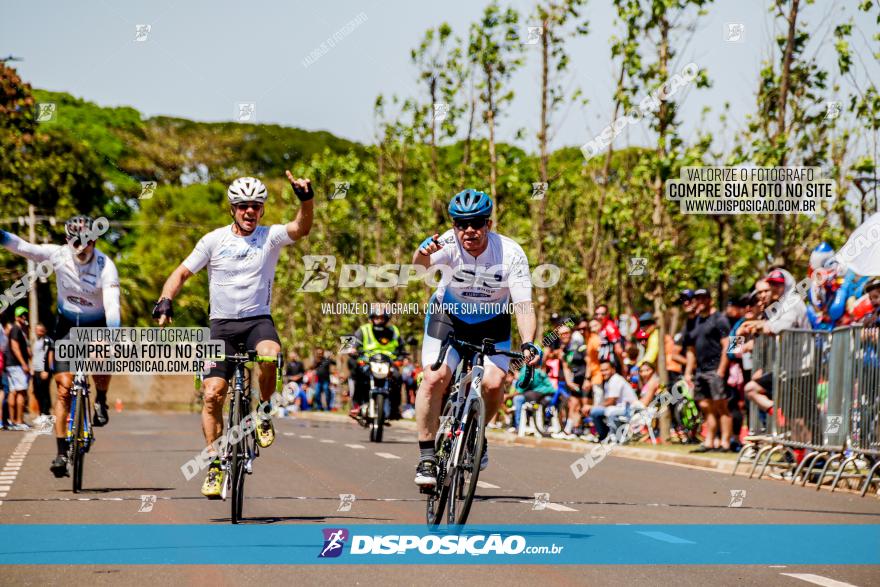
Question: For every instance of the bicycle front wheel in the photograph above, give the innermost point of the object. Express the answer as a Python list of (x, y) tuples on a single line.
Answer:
[(77, 447), (239, 457), (437, 499), (464, 479)]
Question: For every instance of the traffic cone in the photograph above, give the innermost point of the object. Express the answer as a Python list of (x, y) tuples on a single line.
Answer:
[(118, 404)]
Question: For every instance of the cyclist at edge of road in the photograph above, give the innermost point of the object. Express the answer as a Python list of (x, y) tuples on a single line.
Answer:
[(88, 297), (241, 259), (489, 271)]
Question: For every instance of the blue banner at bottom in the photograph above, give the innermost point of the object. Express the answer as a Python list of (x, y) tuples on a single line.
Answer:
[(709, 544)]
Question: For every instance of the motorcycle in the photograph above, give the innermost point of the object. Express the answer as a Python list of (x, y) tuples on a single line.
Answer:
[(373, 414)]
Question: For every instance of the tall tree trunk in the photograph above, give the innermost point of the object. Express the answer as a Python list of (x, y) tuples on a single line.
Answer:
[(433, 88), (493, 158), (466, 160), (779, 248), (657, 218), (538, 224)]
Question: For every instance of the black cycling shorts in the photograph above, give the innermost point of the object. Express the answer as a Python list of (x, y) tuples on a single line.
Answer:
[(62, 332), (239, 335)]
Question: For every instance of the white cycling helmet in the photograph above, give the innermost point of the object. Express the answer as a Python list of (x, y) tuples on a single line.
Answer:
[(247, 189)]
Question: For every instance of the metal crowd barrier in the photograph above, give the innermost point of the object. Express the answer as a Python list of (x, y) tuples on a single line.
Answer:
[(826, 391)]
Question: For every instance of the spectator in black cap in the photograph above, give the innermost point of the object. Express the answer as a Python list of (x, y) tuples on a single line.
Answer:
[(706, 342)]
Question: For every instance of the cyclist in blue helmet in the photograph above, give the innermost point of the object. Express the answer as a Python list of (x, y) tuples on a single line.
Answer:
[(485, 277)]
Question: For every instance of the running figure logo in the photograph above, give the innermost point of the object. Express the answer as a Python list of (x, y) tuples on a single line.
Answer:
[(637, 266), (147, 503), (541, 501), (737, 496), (833, 424), (317, 276), (334, 541), (346, 500)]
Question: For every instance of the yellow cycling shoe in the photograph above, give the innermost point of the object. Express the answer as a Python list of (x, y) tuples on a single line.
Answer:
[(265, 433), (213, 485)]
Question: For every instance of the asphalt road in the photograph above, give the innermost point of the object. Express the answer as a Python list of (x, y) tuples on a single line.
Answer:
[(300, 478)]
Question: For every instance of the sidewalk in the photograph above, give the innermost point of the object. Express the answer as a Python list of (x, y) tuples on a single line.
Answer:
[(672, 454)]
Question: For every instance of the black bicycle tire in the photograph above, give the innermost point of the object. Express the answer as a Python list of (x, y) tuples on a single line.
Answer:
[(440, 496), (475, 428), (380, 417), (236, 469), (77, 448)]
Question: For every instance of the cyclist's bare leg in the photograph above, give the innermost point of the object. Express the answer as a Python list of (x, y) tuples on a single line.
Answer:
[(429, 400), (493, 388), (63, 381), (267, 348), (574, 411), (212, 410)]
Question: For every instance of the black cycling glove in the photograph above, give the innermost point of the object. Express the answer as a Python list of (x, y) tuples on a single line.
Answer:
[(304, 194), (163, 308)]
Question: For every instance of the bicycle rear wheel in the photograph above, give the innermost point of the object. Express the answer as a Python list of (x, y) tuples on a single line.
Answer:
[(463, 484), (436, 504), (239, 457), (77, 446)]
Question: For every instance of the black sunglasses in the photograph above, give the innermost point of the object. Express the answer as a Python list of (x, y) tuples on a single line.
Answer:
[(242, 207), (475, 223)]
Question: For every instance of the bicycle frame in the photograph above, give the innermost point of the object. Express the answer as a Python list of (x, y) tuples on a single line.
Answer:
[(79, 391)]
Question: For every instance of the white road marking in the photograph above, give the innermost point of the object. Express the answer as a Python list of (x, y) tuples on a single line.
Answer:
[(485, 485), (355, 445), (387, 455), (328, 441), (664, 537), (289, 434), (559, 507), (305, 436), (13, 464), (817, 580)]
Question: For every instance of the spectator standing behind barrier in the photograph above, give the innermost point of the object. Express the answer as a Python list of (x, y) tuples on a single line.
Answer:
[(872, 288), (706, 343), (323, 398), (618, 399), (735, 312), (43, 365), (779, 290)]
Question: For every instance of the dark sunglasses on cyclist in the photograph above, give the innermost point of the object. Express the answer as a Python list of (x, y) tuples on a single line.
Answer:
[(243, 207), (475, 223)]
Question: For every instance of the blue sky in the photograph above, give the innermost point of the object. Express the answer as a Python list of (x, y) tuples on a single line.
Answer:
[(203, 57)]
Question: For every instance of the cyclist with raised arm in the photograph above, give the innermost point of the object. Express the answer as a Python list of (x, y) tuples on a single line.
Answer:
[(489, 271), (241, 259), (88, 296)]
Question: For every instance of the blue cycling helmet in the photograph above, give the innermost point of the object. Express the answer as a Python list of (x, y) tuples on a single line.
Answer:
[(470, 203)]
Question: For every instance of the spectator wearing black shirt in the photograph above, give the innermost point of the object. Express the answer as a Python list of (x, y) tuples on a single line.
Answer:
[(706, 340), (17, 359), (322, 367), (294, 369)]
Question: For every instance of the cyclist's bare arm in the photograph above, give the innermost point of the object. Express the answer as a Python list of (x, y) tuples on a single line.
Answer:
[(302, 224), (172, 287), (527, 324)]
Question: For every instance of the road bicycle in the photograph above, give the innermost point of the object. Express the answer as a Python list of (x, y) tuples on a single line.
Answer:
[(241, 447), (461, 437)]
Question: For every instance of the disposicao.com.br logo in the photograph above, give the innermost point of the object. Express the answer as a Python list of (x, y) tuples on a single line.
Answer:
[(449, 544)]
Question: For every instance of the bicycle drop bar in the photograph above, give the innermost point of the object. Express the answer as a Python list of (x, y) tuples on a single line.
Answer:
[(486, 349)]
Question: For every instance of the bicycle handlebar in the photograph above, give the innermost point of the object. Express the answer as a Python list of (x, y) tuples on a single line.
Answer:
[(487, 348)]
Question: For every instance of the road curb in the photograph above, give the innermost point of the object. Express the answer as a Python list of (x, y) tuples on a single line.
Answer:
[(629, 452)]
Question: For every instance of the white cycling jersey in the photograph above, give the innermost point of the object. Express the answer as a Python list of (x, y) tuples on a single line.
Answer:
[(481, 286), (241, 269), (86, 293)]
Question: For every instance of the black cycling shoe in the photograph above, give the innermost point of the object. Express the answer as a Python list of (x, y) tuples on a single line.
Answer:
[(102, 414), (59, 467), (426, 474)]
